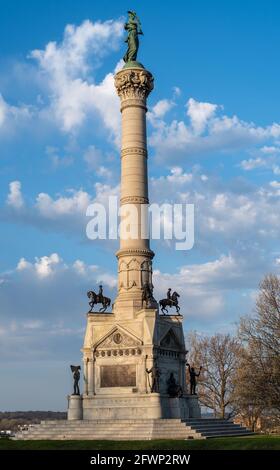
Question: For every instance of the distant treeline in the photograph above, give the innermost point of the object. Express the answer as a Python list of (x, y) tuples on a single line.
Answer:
[(30, 415), (11, 420)]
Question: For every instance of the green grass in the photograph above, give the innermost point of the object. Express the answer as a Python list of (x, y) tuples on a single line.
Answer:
[(234, 443)]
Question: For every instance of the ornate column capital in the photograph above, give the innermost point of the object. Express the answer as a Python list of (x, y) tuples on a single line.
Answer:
[(134, 83)]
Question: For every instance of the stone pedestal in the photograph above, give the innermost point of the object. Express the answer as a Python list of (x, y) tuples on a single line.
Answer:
[(118, 352), (75, 407)]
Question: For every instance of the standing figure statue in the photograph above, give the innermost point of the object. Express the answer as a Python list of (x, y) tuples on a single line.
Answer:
[(133, 28), (193, 376), (155, 373), (170, 301), (76, 377), (98, 299)]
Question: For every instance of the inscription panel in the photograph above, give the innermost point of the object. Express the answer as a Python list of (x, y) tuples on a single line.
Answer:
[(118, 376)]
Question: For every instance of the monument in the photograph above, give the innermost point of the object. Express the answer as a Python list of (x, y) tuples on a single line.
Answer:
[(134, 356)]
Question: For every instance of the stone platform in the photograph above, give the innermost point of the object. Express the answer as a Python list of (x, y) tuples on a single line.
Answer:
[(131, 430), (139, 406)]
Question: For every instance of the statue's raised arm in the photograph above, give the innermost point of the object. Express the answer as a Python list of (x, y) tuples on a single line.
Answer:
[(133, 28)]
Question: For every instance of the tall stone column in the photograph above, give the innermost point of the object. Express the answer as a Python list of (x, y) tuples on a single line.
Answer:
[(133, 86)]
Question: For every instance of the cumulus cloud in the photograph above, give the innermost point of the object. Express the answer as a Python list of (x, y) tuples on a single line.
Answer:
[(252, 163), (68, 66), (160, 109), (208, 130), (13, 117), (46, 300), (15, 198), (64, 213), (200, 114)]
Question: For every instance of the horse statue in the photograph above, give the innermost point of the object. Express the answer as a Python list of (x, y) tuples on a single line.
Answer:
[(98, 299), (172, 301)]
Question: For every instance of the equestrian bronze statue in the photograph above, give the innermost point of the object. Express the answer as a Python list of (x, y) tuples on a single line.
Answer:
[(98, 299), (170, 301)]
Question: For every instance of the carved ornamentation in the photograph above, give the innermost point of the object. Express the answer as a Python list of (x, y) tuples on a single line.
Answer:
[(135, 252), (135, 200), (171, 341), (118, 352), (118, 338), (134, 151), (134, 83)]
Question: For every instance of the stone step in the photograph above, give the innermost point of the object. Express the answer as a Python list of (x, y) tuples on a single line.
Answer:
[(226, 433), (210, 428), (100, 433), (94, 428), (132, 429), (207, 422)]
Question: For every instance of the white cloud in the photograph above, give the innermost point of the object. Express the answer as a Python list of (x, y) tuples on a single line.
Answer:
[(199, 114), (13, 116), (61, 213), (252, 163), (270, 150), (178, 176), (67, 65), (43, 267), (3, 110), (75, 204), (161, 108), (15, 198), (46, 298), (208, 131)]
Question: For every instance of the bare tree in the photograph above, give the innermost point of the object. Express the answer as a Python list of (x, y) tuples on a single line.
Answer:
[(261, 336), (219, 356)]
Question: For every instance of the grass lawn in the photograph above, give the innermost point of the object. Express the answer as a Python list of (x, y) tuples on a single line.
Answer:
[(228, 443)]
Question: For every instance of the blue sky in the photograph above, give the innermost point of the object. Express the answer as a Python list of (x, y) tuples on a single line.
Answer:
[(214, 140)]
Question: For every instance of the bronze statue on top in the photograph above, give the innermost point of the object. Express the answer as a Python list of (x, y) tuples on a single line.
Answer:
[(133, 28), (170, 301), (98, 299)]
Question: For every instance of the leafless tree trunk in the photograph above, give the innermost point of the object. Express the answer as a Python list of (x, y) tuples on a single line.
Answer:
[(219, 356)]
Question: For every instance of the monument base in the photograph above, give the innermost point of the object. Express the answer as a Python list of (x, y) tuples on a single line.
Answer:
[(152, 406), (129, 364), (75, 407)]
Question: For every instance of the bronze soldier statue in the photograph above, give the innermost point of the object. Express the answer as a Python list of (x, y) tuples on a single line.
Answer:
[(100, 294), (193, 376), (76, 376), (98, 299), (170, 301), (155, 373)]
